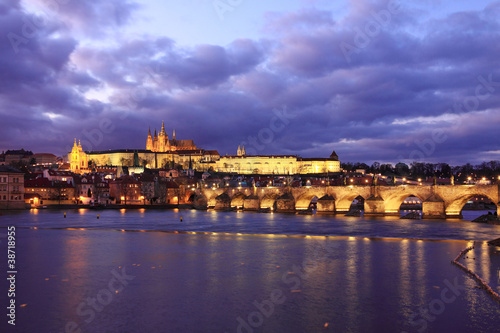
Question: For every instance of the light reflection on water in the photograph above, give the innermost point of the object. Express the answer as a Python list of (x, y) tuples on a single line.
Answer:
[(254, 223), (206, 282)]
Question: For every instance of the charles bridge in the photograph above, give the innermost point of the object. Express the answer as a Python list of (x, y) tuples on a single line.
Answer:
[(438, 201)]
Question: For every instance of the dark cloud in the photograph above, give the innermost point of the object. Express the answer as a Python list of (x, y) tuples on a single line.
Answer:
[(383, 99)]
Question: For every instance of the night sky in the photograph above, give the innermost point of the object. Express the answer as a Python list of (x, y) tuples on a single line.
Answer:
[(382, 81)]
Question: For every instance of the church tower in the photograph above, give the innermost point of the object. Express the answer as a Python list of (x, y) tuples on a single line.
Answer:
[(78, 158), (149, 142), (155, 142), (238, 152), (162, 138)]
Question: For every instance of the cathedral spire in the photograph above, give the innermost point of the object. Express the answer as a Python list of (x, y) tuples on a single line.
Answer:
[(162, 133), (173, 135), (149, 132)]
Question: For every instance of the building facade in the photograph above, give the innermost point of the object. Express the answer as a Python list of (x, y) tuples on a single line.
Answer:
[(78, 159), (276, 164), (11, 188), (43, 191)]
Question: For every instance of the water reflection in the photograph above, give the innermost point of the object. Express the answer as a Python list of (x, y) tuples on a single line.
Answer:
[(208, 281), (237, 222)]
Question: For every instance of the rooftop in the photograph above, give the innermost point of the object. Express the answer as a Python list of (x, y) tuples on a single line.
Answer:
[(8, 169)]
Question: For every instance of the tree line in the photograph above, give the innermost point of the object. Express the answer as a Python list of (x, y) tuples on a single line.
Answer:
[(489, 170)]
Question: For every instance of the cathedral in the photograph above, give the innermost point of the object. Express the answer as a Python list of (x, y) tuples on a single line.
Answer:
[(161, 143)]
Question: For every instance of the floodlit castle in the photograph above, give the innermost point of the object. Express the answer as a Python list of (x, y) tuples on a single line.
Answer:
[(160, 152), (163, 152), (242, 163), (161, 143)]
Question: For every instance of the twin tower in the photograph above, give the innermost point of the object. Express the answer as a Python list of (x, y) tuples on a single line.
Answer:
[(161, 143)]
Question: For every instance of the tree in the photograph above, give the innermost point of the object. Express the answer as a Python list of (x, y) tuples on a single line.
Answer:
[(402, 169), (161, 191), (125, 190), (98, 191), (147, 191), (57, 192)]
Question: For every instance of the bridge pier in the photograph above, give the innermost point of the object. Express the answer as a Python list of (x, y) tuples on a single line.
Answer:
[(251, 203), (374, 206), (433, 208), (498, 210), (222, 202), (285, 204), (326, 205)]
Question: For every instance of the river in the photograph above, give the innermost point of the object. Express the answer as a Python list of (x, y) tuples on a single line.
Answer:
[(150, 271)]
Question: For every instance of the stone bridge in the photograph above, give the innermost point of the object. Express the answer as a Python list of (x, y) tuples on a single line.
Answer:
[(438, 201)]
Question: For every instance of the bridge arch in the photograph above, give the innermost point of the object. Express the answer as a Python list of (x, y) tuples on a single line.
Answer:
[(211, 200), (393, 202), (269, 201), (455, 207), (238, 199), (304, 200), (343, 204)]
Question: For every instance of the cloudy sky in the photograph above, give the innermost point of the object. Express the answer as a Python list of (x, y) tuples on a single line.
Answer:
[(383, 81)]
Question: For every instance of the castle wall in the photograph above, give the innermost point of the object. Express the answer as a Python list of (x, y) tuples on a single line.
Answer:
[(284, 164)]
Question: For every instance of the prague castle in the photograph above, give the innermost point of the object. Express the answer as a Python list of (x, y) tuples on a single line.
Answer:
[(163, 152), (160, 152), (161, 143), (275, 164)]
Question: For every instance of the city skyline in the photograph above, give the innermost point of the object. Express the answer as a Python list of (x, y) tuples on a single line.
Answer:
[(373, 80)]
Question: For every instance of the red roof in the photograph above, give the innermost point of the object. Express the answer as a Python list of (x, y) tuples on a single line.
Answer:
[(43, 183), (61, 173)]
